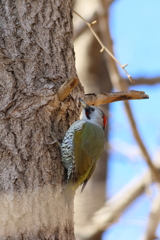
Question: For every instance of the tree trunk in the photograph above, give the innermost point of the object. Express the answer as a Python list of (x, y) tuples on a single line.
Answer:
[(36, 57)]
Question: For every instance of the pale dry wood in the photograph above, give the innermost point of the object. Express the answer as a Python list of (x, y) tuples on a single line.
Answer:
[(98, 99), (153, 220), (67, 88), (103, 98)]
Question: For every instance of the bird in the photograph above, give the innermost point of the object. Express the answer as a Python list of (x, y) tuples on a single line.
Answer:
[(82, 146)]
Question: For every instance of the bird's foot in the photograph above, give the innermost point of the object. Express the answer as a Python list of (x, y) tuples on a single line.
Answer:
[(55, 140)]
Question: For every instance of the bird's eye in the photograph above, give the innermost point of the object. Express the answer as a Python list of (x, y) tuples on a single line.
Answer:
[(92, 109)]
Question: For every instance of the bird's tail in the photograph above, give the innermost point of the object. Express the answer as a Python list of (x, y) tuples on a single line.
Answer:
[(69, 193)]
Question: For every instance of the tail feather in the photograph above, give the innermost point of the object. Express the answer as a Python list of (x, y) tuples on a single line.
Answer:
[(84, 184), (69, 194)]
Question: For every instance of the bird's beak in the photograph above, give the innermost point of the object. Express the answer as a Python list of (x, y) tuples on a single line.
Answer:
[(85, 105)]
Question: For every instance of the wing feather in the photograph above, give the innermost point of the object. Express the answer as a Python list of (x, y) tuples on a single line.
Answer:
[(88, 147)]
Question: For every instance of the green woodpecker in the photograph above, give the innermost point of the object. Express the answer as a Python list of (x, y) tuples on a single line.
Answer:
[(83, 145)]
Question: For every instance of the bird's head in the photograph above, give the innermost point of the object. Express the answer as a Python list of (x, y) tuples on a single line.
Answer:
[(93, 114)]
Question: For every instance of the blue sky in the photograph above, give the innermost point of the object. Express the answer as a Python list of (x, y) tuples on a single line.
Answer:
[(136, 36)]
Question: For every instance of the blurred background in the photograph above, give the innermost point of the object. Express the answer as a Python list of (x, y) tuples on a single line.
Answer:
[(122, 200)]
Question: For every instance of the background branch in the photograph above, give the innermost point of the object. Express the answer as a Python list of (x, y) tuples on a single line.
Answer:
[(153, 220), (114, 207), (121, 85), (145, 81)]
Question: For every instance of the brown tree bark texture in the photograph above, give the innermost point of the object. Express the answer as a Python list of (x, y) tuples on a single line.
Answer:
[(36, 57)]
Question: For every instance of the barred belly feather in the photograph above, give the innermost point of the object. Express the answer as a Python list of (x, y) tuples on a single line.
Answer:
[(68, 158), (81, 148)]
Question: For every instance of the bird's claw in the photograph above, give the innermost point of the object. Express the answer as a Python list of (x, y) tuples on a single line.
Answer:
[(55, 140)]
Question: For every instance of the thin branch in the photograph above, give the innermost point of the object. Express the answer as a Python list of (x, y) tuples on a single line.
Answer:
[(121, 86), (145, 81), (103, 98), (104, 47), (113, 208), (66, 88), (81, 28), (140, 142), (153, 221)]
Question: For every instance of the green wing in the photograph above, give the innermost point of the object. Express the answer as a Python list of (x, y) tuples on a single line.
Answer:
[(88, 177), (88, 147)]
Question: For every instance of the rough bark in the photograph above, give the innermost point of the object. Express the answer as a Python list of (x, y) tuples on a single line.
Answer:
[(36, 57)]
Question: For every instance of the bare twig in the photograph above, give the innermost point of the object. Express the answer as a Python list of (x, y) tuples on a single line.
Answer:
[(138, 81), (81, 28), (154, 219), (121, 86), (103, 98), (103, 47), (66, 88)]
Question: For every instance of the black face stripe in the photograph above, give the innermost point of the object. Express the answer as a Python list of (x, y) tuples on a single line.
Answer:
[(87, 111)]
